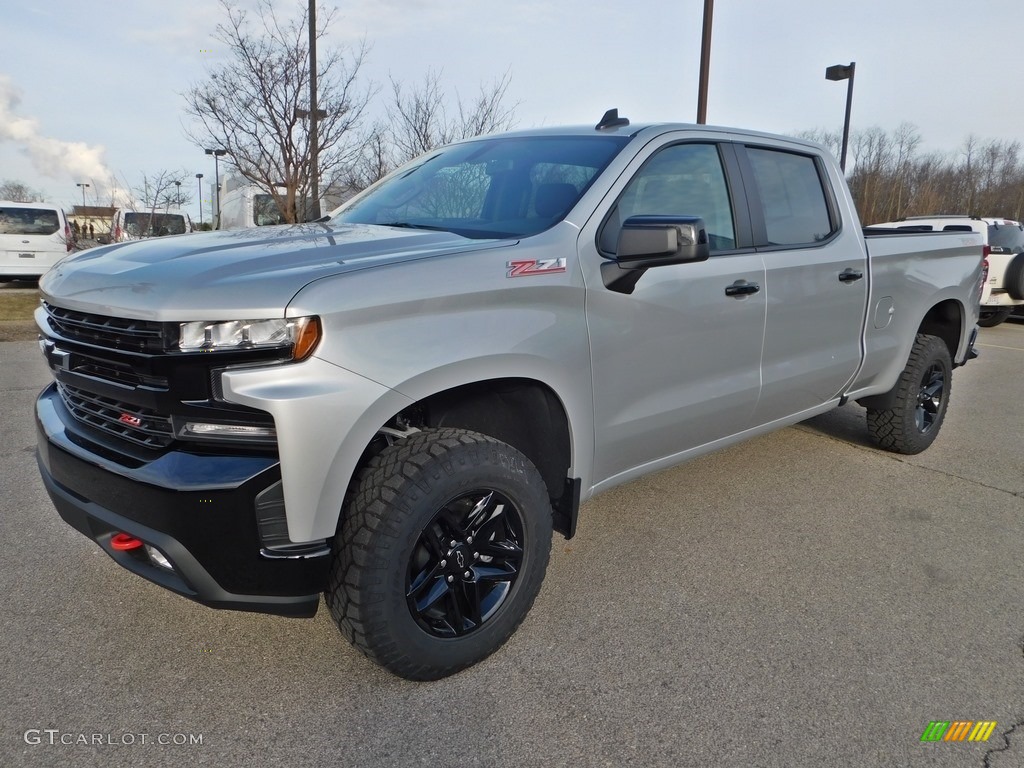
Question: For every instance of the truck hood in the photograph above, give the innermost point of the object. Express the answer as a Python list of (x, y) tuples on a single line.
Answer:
[(249, 274)]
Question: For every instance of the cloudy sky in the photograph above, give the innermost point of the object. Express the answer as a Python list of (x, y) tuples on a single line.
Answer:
[(89, 89)]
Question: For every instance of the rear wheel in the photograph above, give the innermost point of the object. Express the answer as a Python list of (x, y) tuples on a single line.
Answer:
[(992, 318), (920, 399), (442, 551)]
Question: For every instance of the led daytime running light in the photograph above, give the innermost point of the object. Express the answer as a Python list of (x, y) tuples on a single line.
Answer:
[(302, 334)]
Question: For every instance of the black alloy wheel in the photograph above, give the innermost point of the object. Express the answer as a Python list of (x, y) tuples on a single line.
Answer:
[(931, 397), (465, 563)]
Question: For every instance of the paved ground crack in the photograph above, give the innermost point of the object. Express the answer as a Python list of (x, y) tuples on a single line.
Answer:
[(902, 460), (987, 757)]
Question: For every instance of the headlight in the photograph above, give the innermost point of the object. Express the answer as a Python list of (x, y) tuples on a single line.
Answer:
[(302, 334)]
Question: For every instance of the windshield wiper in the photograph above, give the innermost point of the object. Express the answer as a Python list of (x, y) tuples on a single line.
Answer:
[(410, 225)]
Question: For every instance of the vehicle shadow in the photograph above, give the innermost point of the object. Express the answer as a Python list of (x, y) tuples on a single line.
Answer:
[(848, 424)]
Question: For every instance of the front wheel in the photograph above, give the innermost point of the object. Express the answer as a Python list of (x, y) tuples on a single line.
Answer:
[(919, 402), (441, 553)]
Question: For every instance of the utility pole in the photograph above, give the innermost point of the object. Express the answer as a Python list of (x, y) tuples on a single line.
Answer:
[(705, 63), (314, 143)]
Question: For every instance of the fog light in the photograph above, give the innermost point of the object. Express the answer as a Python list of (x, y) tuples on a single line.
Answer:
[(229, 431), (157, 558)]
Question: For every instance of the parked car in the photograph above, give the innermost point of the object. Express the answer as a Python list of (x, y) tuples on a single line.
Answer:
[(33, 237), (136, 225), (397, 406), (1004, 238)]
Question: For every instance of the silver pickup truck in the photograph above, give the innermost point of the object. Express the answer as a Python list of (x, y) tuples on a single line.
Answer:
[(397, 406)]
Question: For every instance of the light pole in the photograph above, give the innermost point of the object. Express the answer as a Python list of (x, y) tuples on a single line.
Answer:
[(199, 177), (844, 72), (217, 153), (83, 186), (177, 194)]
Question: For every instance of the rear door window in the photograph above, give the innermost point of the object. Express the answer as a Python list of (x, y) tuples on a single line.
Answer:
[(794, 202)]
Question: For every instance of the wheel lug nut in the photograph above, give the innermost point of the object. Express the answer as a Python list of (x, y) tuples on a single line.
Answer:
[(444, 563), (453, 543), (476, 555), (468, 574), (451, 579)]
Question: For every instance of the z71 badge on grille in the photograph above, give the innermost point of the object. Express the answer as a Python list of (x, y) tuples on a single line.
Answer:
[(535, 267)]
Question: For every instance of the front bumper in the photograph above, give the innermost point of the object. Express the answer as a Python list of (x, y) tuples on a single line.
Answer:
[(197, 509)]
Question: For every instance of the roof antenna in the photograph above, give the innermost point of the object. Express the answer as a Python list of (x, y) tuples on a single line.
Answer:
[(611, 119)]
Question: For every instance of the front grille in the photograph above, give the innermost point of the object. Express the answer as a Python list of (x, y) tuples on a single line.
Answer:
[(141, 426), (111, 332)]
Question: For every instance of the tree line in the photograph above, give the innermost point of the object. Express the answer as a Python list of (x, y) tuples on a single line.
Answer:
[(892, 177)]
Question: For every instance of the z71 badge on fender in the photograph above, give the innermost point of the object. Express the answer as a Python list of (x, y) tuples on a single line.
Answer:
[(535, 267)]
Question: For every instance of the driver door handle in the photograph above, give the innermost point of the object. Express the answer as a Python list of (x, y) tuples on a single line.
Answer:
[(741, 288), (850, 275)]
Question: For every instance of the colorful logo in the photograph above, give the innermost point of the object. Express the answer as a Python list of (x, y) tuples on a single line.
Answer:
[(958, 730), (525, 267)]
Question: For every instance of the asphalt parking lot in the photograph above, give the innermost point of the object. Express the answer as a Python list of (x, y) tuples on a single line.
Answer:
[(798, 600)]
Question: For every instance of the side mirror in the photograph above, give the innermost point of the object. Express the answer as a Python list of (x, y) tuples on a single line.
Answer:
[(653, 241)]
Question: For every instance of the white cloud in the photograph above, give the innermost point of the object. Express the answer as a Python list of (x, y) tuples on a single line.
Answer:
[(52, 157)]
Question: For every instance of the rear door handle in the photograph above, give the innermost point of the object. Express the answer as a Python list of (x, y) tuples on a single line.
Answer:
[(850, 275), (741, 288)]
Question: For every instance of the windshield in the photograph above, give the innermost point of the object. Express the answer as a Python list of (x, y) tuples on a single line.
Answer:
[(1006, 238), (491, 188), (28, 221), (139, 224)]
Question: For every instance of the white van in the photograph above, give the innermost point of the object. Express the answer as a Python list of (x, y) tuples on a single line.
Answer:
[(135, 225), (33, 237), (244, 205)]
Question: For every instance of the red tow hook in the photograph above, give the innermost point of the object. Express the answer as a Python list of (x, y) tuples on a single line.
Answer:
[(123, 542)]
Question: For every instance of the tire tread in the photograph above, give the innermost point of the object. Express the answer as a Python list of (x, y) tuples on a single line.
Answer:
[(383, 498)]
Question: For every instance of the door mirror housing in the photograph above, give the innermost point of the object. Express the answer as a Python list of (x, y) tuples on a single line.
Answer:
[(654, 241)]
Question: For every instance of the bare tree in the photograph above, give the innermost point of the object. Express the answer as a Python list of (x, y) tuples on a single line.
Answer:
[(832, 140), (19, 192), (161, 191), (252, 105), (423, 117)]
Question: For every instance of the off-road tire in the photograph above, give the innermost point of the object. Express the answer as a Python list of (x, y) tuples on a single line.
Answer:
[(411, 500), (921, 397)]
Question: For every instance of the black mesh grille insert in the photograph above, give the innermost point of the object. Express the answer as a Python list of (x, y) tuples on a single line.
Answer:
[(129, 422), (112, 332)]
